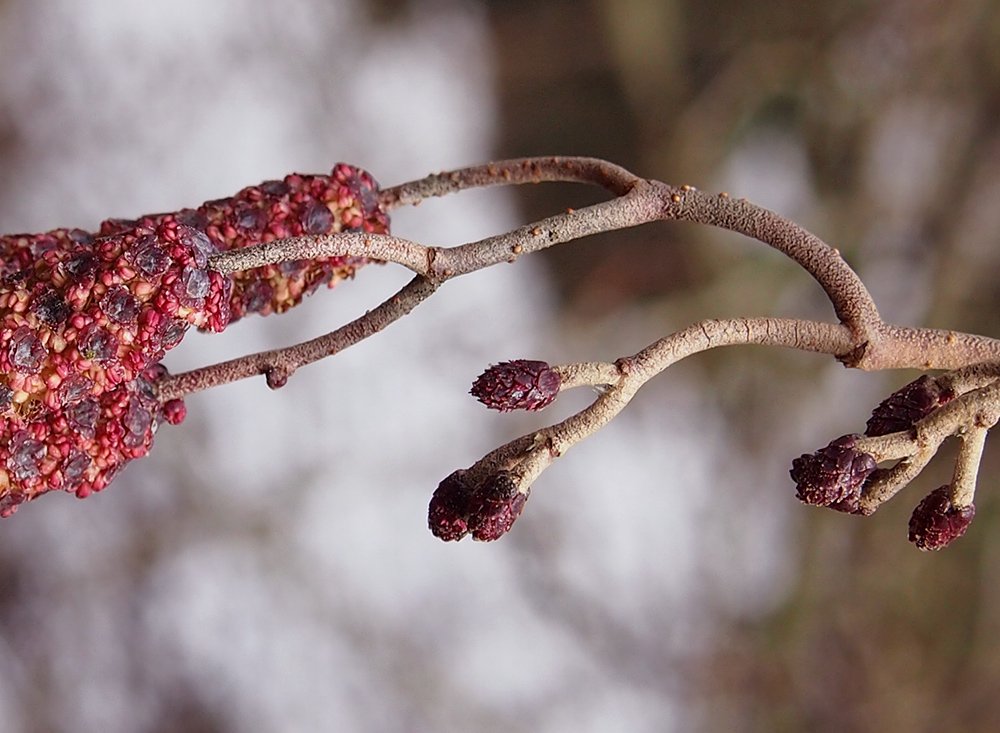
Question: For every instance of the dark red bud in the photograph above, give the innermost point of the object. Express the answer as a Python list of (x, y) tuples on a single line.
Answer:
[(517, 385), (448, 513), (174, 411), (494, 507), (907, 405), (834, 475), (936, 522)]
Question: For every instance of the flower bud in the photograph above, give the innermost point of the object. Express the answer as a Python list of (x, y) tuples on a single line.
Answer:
[(833, 475), (517, 385), (936, 522), (174, 411), (448, 513), (494, 507), (906, 406)]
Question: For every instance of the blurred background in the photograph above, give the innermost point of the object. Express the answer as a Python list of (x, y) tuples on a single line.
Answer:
[(268, 566)]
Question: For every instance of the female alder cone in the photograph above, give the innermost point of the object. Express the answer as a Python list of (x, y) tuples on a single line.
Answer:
[(906, 406), (494, 507), (832, 475), (517, 385), (89, 315), (83, 316), (448, 513), (78, 447), (936, 522), (104, 307)]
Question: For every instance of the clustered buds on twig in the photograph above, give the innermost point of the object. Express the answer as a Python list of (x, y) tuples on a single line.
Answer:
[(487, 511), (517, 385), (85, 319), (842, 474)]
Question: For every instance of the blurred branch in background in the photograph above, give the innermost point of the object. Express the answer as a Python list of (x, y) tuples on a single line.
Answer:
[(879, 125)]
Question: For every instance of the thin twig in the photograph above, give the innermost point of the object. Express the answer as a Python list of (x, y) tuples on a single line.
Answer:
[(277, 365), (411, 255), (970, 454), (868, 343), (601, 173), (633, 372)]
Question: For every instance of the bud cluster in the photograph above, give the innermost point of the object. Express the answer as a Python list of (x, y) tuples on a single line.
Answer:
[(836, 476), (85, 319), (486, 511)]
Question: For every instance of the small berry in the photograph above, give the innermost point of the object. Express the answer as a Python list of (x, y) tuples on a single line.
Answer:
[(494, 507), (448, 513), (833, 475), (936, 522), (906, 406), (517, 385)]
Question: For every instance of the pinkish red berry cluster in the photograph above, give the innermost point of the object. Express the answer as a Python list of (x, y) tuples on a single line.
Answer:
[(833, 476), (517, 385), (78, 447), (937, 522), (487, 512), (344, 201), (89, 316), (908, 405), (84, 319)]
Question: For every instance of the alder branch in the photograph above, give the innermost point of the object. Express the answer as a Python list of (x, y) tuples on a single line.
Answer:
[(906, 429), (874, 344), (624, 378), (601, 173), (278, 365)]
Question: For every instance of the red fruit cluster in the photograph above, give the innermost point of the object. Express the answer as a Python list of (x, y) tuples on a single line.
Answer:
[(906, 406), (344, 201), (78, 447), (106, 307), (833, 476), (936, 522), (487, 512), (85, 318), (517, 385), (90, 315)]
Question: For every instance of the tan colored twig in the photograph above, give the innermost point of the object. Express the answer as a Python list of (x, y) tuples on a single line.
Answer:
[(872, 344)]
